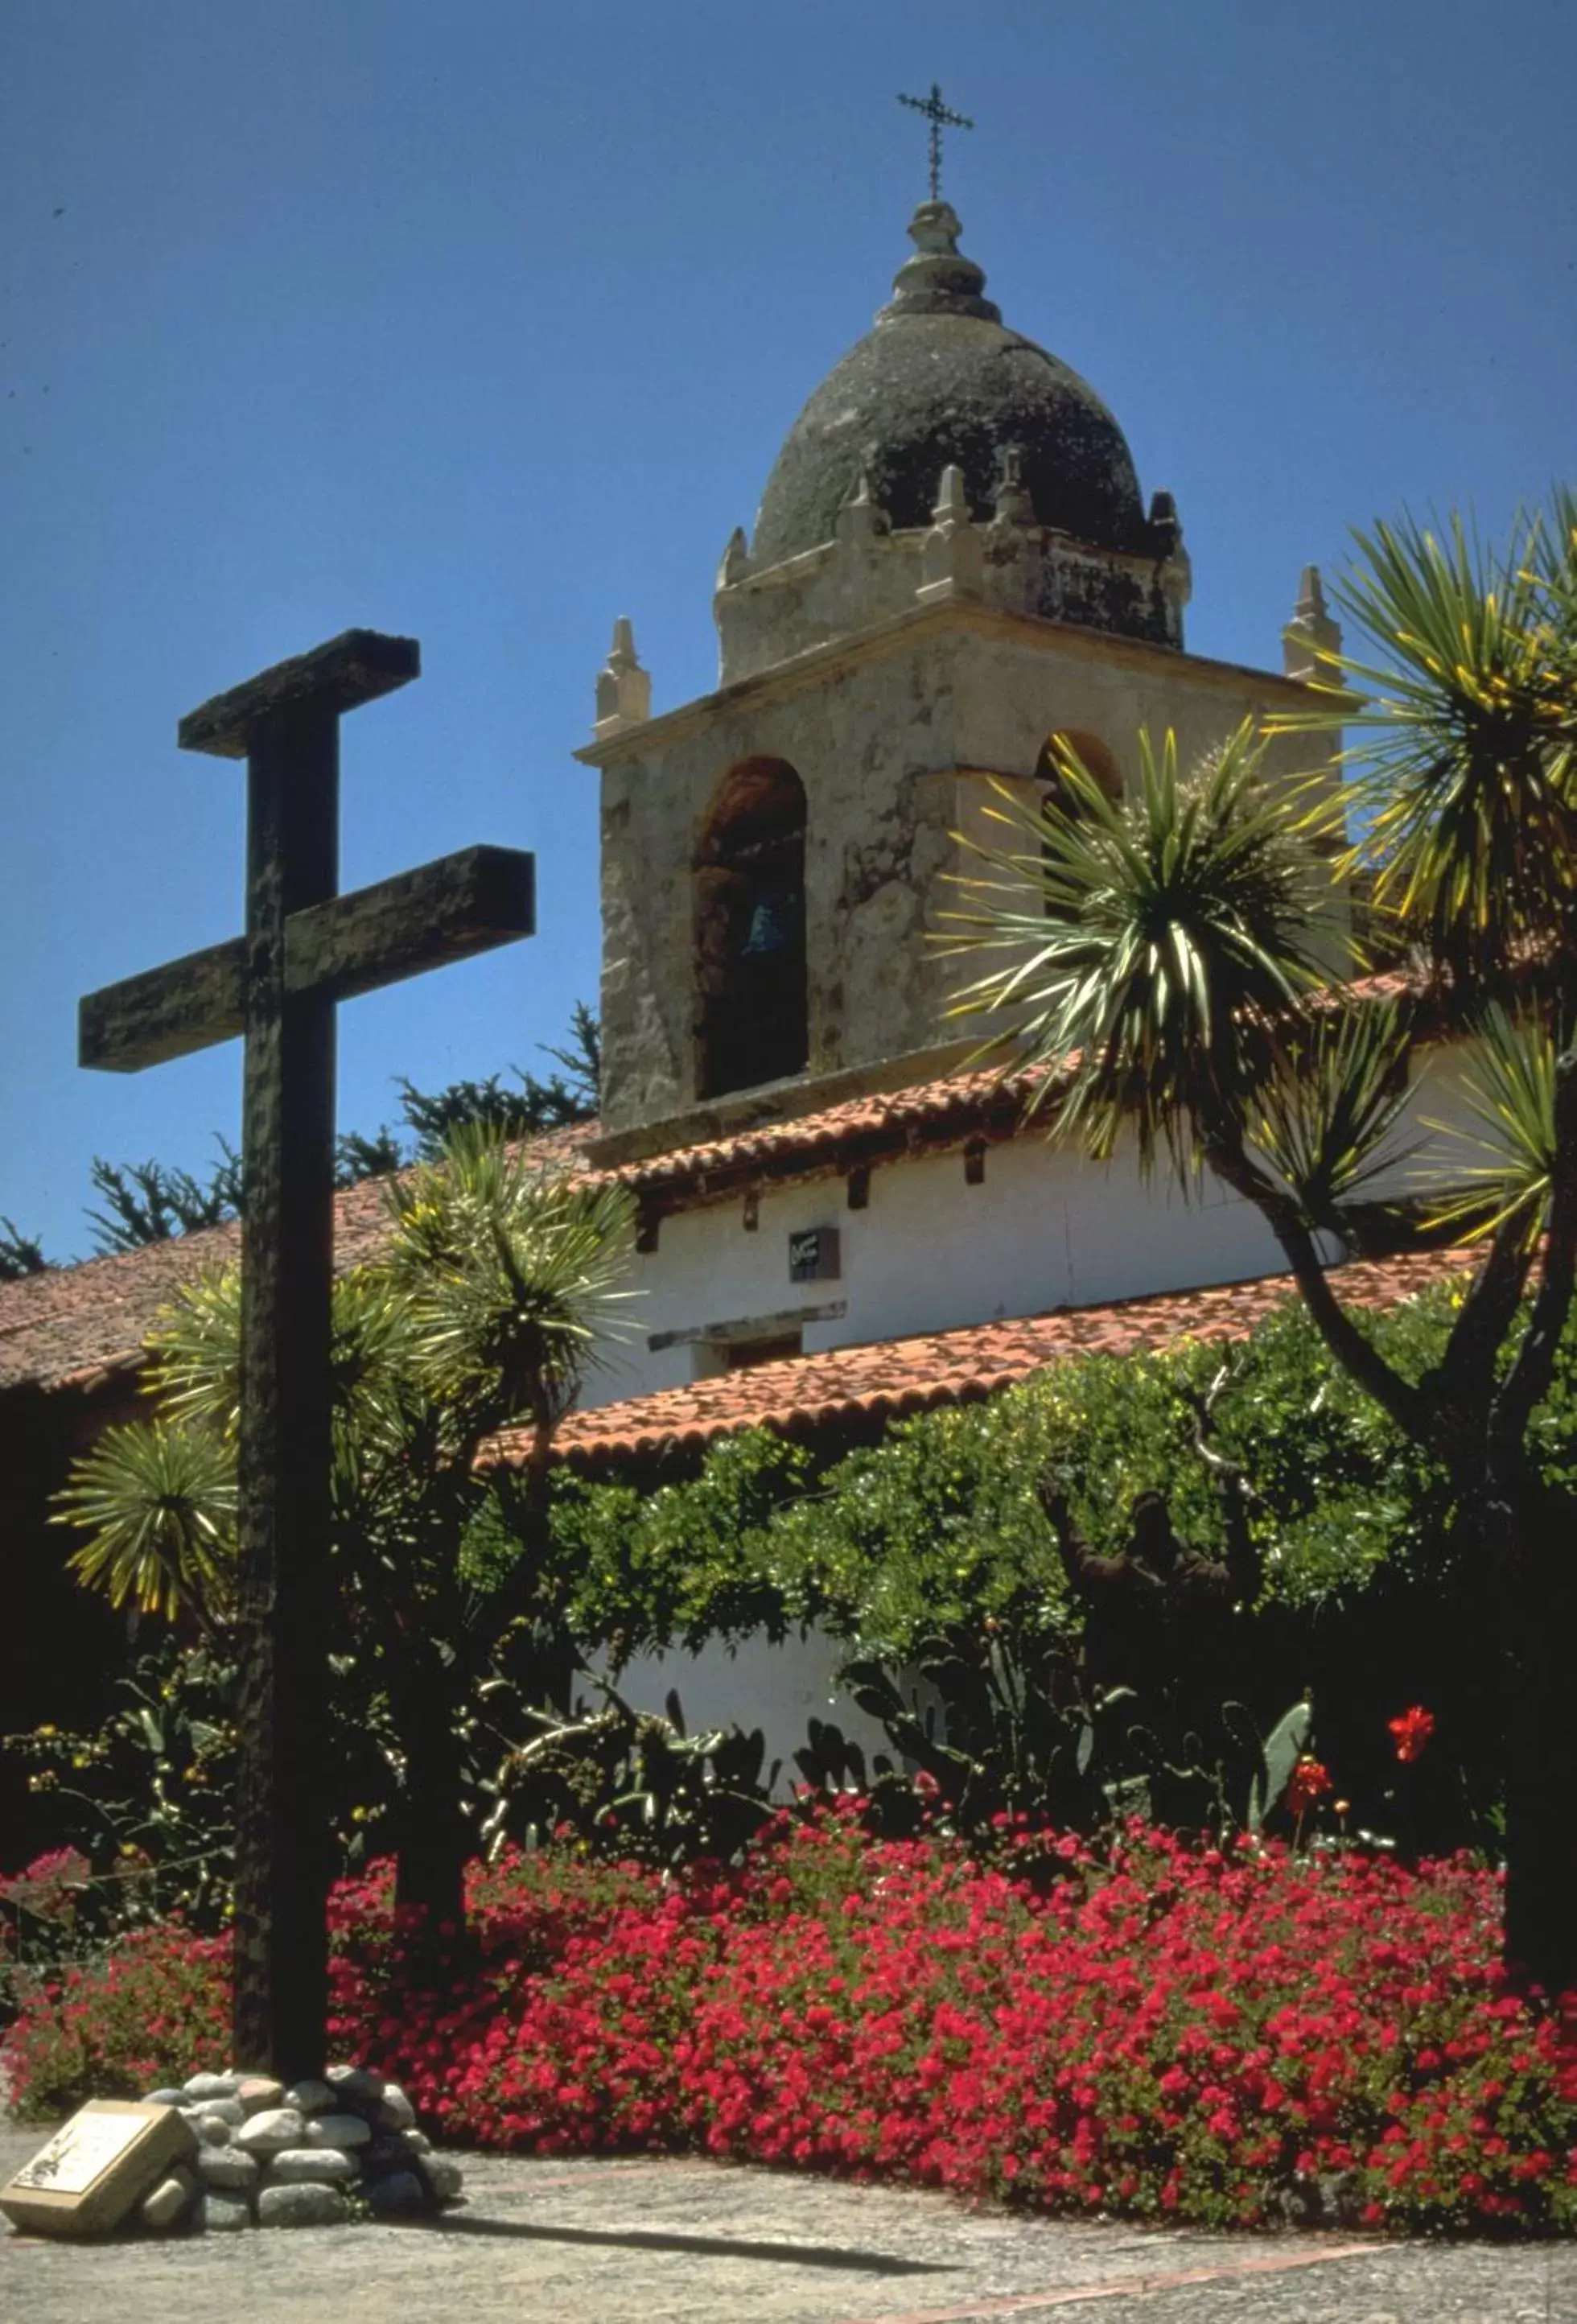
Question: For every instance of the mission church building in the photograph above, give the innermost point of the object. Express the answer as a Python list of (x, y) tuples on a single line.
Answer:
[(839, 1220), (952, 563)]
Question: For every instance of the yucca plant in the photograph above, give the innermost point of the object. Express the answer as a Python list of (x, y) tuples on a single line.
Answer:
[(482, 1311), (1165, 964), (1509, 1093), (1166, 939), (1465, 779), (158, 1498), (515, 1278)]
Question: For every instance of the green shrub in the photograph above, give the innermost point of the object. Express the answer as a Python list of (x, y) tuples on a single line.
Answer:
[(938, 1528), (686, 1564)]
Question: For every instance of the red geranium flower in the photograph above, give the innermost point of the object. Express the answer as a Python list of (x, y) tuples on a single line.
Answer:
[(1308, 1782), (1412, 1730)]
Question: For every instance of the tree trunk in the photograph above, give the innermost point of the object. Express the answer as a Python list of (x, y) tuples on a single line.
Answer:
[(435, 1837), (1538, 1537)]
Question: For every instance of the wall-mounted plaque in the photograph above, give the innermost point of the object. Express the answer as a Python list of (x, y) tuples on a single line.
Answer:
[(813, 1255), (96, 2168)]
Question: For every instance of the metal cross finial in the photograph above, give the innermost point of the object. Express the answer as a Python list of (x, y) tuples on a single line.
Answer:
[(937, 114)]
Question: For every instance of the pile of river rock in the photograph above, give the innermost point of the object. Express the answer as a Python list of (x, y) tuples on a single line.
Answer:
[(272, 2157)]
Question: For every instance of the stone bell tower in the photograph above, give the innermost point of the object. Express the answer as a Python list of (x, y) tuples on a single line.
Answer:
[(950, 563)]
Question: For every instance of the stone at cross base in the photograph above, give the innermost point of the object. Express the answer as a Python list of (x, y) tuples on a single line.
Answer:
[(305, 948)]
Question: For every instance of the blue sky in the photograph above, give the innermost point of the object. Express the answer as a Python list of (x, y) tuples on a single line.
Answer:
[(483, 322)]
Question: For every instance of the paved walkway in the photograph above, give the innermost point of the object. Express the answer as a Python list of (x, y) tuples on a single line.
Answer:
[(694, 2243)]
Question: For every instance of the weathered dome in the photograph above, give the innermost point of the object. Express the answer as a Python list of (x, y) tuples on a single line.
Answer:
[(940, 381)]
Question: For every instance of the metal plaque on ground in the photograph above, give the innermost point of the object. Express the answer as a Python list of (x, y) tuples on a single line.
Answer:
[(96, 2168)]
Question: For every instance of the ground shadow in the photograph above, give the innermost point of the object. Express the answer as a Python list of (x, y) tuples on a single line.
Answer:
[(452, 2222)]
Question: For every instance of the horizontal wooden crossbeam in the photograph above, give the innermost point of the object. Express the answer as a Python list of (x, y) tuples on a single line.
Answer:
[(461, 904), (355, 668)]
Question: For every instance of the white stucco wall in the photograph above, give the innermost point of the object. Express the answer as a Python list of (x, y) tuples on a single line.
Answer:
[(779, 1689), (1046, 1229)]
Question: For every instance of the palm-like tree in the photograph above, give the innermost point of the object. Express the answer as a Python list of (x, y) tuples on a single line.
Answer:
[(484, 1309), (1173, 977)]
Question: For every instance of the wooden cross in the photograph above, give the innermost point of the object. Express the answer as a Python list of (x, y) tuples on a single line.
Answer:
[(306, 947), (937, 114)]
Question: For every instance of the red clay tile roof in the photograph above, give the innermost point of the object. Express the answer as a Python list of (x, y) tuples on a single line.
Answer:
[(947, 1111), (884, 1379), (70, 1326), (955, 1107)]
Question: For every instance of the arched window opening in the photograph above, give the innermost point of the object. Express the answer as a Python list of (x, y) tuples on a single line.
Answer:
[(1091, 754), (751, 1016), (1053, 791)]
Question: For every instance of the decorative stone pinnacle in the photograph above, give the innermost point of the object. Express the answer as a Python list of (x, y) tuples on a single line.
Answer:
[(860, 518), (1013, 503), (1311, 600), (1165, 528), (952, 555), (1312, 636), (736, 562), (951, 499), (623, 688)]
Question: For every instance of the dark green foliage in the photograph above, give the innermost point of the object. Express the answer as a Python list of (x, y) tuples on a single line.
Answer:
[(686, 1564), (931, 1556), (483, 1308), (538, 1105), (146, 1795), (1275, 1759), (632, 1783), (147, 1204), (20, 1254), (990, 1727), (356, 1158), (581, 1058), (1164, 980)]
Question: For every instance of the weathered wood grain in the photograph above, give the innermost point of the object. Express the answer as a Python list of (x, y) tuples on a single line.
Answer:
[(166, 1012), (282, 1466), (305, 949), (457, 905), (350, 670)]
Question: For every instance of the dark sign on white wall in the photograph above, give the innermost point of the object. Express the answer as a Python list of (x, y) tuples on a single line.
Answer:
[(814, 1256)]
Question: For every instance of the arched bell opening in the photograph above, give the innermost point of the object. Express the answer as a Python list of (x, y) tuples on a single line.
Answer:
[(1093, 755), (1053, 788), (752, 1022)]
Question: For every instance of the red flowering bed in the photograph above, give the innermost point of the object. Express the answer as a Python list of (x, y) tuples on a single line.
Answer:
[(1158, 2029)]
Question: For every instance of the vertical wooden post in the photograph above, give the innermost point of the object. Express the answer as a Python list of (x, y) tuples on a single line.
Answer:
[(305, 947), (288, 1156)]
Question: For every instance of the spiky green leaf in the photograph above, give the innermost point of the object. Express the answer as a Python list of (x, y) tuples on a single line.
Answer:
[(158, 1500), (1168, 933)]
